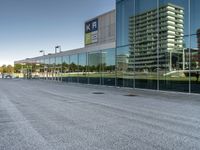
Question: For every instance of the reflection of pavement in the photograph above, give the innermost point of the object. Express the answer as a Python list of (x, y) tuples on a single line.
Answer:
[(48, 115), (182, 73)]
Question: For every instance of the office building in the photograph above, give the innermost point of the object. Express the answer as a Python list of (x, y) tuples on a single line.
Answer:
[(146, 44)]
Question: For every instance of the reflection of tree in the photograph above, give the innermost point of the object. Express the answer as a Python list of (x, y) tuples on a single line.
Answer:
[(82, 68), (108, 68), (73, 67), (65, 67), (6, 69), (101, 68), (94, 68), (17, 68)]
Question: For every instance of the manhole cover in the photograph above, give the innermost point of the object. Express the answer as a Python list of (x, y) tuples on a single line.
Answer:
[(131, 95), (97, 93)]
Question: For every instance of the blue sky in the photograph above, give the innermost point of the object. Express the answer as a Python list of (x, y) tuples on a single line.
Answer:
[(27, 26)]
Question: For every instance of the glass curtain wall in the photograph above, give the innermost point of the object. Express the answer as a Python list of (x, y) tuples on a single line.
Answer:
[(58, 68), (65, 68), (174, 45), (82, 66), (108, 67), (73, 68), (37, 69), (52, 68), (17, 70), (124, 62), (195, 46), (94, 67), (143, 43), (158, 44), (46, 68), (27, 70), (124, 73), (158, 47), (41, 68)]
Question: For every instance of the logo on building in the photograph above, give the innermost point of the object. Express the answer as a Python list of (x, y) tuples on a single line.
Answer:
[(91, 32)]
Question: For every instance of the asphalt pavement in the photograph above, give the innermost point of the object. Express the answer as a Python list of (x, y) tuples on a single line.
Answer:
[(42, 115)]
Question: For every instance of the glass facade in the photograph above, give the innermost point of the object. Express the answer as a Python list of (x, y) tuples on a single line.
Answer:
[(82, 65), (158, 44), (73, 68), (65, 68), (157, 47), (94, 67), (108, 67)]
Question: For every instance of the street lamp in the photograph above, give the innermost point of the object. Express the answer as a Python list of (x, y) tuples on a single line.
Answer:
[(58, 68), (42, 51), (57, 47)]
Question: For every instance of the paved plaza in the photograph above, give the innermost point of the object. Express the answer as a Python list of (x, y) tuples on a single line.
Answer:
[(47, 115)]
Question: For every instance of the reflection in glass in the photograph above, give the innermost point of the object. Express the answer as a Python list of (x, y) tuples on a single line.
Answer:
[(65, 68), (173, 45), (46, 68), (195, 46), (52, 68), (143, 38), (58, 68), (94, 67), (82, 61), (35, 69), (124, 71), (157, 48), (73, 68), (124, 9), (41, 68), (108, 67)]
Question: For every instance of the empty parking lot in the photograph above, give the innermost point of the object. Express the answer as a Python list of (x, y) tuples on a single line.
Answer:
[(44, 115)]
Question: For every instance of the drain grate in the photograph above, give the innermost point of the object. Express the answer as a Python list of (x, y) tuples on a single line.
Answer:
[(98, 93), (130, 95)]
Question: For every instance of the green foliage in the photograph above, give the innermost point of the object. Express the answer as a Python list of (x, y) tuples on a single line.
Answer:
[(7, 69), (17, 68)]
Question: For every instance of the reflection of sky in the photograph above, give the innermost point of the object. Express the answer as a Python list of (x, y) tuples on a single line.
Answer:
[(195, 21), (82, 59), (110, 57), (74, 59)]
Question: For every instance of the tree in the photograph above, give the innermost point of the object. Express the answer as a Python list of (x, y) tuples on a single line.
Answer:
[(9, 69), (6, 69)]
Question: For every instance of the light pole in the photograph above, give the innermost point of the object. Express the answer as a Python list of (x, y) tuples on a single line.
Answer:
[(43, 52), (58, 68), (57, 47)]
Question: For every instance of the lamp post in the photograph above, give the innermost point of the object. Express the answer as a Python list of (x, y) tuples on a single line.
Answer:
[(58, 69), (57, 47), (43, 52)]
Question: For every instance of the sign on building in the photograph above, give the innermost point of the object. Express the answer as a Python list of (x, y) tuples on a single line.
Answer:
[(91, 32)]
